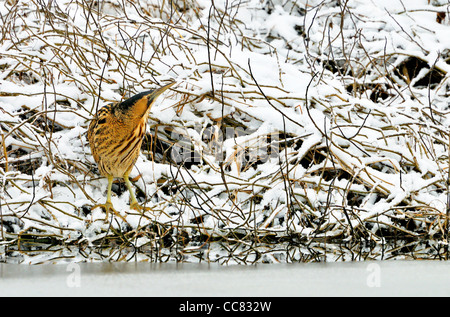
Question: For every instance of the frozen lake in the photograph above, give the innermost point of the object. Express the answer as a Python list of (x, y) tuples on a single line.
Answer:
[(370, 278)]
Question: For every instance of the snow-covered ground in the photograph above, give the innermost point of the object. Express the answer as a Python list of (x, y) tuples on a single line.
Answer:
[(297, 120)]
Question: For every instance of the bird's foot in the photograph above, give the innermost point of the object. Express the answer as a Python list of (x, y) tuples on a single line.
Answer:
[(135, 205), (108, 206)]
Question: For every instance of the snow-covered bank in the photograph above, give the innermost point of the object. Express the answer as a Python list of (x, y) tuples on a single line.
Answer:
[(305, 119)]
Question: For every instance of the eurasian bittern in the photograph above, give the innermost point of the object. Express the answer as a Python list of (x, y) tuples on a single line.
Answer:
[(115, 135)]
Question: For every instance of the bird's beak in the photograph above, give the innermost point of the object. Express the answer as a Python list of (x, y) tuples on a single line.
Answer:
[(157, 92)]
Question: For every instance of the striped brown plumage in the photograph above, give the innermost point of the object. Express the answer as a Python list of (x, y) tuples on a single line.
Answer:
[(115, 135)]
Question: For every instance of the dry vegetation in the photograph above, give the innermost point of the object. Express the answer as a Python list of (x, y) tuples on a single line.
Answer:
[(314, 124)]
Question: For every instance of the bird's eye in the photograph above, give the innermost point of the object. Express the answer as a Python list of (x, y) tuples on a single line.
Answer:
[(101, 121)]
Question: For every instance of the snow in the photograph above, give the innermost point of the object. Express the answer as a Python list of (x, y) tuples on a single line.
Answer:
[(316, 108)]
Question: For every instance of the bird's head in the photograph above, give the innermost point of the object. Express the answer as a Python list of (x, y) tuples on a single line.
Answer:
[(140, 104)]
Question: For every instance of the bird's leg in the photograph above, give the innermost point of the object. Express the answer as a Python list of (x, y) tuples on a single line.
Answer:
[(108, 204), (134, 203)]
